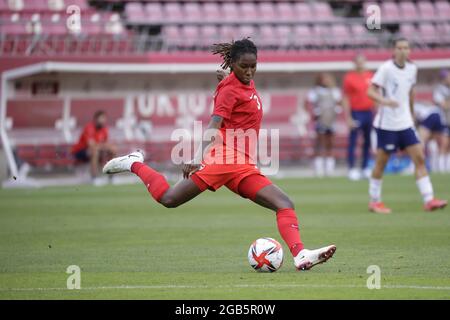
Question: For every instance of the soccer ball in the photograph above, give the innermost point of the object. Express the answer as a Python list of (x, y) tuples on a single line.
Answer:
[(265, 255)]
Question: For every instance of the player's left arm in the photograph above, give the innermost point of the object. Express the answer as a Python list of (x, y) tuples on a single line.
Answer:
[(411, 103)]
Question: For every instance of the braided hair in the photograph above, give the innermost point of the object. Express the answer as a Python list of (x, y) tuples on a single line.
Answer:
[(231, 51)]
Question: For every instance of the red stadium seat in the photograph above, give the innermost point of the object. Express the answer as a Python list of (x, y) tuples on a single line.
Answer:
[(408, 31), (303, 37), (283, 34), (428, 33), (173, 12), (154, 13), (211, 12), (408, 11), (245, 31), (390, 11), (135, 13), (226, 33), (189, 36), (209, 35), (340, 35), (230, 12), (193, 12), (267, 13), (267, 36), (304, 11), (426, 9), (286, 11), (322, 11), (172, 36), (442, 9), (248, 11)]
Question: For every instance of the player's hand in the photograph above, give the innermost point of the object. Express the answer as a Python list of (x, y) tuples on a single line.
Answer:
[(189, 168), (391, 103), (352, 124), (221, 74)]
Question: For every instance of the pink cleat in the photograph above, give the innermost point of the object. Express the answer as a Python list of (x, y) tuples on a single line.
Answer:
[(435, 204), (379, 207)]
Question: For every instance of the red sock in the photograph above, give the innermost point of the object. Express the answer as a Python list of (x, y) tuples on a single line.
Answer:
[(288, 228), (154, 181)]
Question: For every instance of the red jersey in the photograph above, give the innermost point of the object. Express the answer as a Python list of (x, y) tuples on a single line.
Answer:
[(355, 88), (241, 109), (90, 132)]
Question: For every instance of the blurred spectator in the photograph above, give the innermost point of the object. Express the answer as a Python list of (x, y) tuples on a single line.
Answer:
[(114, 25), (15, 4), (441, 97), (93, 145), (358, 109), (57, 5), (34, 25), (324, 98), (431, 127)]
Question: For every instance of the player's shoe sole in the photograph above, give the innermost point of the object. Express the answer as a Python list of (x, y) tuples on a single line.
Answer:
[(323, 257)]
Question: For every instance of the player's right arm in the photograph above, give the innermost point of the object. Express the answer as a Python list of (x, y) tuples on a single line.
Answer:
[(379, 80), (374, 93), (189, 168)]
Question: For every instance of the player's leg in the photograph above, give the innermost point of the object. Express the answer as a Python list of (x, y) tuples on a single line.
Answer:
[(330, 162), (155, 182), (423, 181), (366, 128), (319, 161), (385, 140), (262, 191), (93, 152), (353, 173)]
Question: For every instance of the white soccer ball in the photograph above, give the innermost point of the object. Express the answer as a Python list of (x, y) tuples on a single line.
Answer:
[(265, 255)]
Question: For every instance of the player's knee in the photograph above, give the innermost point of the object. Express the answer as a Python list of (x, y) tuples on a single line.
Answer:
[(169, 201), (284, 203)]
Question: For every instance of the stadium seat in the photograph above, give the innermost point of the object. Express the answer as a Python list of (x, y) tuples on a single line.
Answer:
[(173, 12), (408, 11), (189, 36), (171, 36), (322, 11), (267, 37), (426, 10), (283, 34), (267, 13), (245, 31), (303, 37), (303, 12), (442, 9), (408, 31), (193, 12), (248, 12), (154, 13), (211, 12), (428, 33), (230, 12), (286, 11), (209, 35), (226, 33), (390, 11), (340, 35), (134, 12)]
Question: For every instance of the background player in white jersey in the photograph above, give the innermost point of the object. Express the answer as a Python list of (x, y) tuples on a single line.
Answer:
[(393, 90), (441, 97), (431, 127), (324, 98)]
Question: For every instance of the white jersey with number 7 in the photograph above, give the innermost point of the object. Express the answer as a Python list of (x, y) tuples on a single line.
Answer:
[(396, 84)]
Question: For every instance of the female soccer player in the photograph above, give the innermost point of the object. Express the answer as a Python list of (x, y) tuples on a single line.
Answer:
[(237, 106), (324, 98)]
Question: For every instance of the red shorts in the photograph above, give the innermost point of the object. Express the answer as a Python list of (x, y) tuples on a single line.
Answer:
[(243, 179)]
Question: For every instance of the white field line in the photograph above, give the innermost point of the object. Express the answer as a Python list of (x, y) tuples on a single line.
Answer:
[(156, 287)]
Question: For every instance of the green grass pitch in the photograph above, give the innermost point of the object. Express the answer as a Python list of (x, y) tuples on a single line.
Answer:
[(127, 246)]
